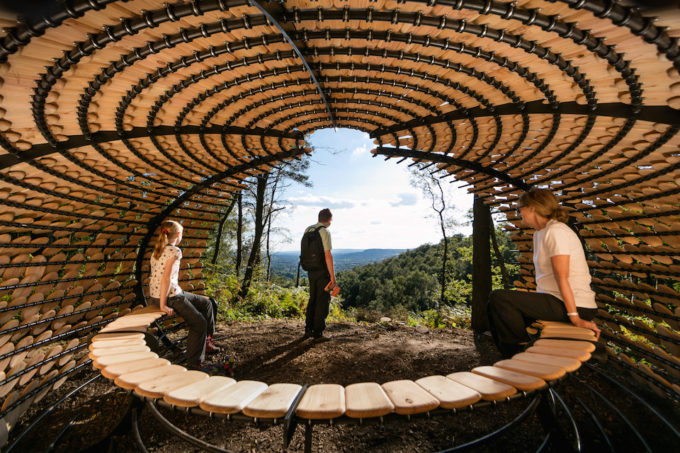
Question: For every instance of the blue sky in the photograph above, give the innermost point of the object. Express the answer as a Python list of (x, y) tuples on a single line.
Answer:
[(373, 203)]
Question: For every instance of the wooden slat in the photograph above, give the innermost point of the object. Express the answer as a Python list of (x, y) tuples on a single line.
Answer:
[(131, 380), (102, 362), (567, 363), (489, 389), (273, 402), (366, 399), (115, 343), (580, 355), (569, 344), (113, 371), (233, 398), (543, 371), (520, 381), (157, 388), (409, 398), (321, 402), (117, 336), (451, 394), (129, 349), (192, 394)]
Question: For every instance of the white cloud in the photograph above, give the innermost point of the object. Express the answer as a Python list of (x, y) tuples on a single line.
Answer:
[(363, 149), (405, 199), (322, 202)]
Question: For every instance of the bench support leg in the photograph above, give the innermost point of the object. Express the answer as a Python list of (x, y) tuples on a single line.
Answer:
[(308, 437)]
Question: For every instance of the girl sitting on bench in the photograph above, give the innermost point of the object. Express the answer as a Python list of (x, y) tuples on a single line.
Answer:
[(196, 310), (562, 278)]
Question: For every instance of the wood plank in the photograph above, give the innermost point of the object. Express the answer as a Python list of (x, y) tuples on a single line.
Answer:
[(567, 363), (569, 344), (451, 394), (543, 371), (409, 398), (273, 402), (192, 394), (117, 336), (366, 399), (131, 380), (322, 402), (101, 352), (233, 398), (568, 335), (114, 371), (103, 362), (520, 381), (157, 388), (489, 389), (580, 355), (115, 343)]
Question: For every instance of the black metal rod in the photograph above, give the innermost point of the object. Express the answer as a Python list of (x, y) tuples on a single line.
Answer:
[(638, 398), (276, 23), (135, 432), (182, 434), (61, 433), (49, 411), (597, 423), (528, 411), (619, 413), (577, 436)]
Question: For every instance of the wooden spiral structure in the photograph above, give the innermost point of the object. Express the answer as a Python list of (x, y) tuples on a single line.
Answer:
[(115, 115)]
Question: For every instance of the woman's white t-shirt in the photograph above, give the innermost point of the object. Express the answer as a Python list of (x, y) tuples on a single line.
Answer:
[(157, 267), (558, 239)]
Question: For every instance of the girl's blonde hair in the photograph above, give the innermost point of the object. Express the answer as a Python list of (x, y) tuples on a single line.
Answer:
[(545, 204), (168, 229)]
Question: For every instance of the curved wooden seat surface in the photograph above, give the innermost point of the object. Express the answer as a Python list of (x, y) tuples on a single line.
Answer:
[(322, 401), (365, 400), (540, 370), (113, 371), (520, 381), (157, 388), (578, 354), (409, 398), (121, 353), (131, 380), (233, 398), (451, 394), (582, 345), (273, 402), (567, 363), (191, 395)]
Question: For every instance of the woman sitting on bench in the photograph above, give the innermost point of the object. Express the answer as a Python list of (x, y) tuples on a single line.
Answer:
[(196, 310), (562, 278)]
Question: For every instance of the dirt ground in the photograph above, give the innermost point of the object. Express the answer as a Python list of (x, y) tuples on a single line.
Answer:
[(273, 351)]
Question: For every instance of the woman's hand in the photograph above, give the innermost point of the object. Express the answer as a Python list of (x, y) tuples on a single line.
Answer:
[(578, 322), (169, 311)]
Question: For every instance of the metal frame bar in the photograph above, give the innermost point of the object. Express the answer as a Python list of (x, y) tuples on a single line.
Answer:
[(276, 23), (417, 154), (181, 434)]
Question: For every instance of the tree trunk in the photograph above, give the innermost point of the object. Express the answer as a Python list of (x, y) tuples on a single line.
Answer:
[(218, 239), (445, 258), (253, 259), (239, 235), (269, 224), (481, 265)]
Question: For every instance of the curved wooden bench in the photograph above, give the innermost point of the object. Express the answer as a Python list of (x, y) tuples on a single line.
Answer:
[(120, 352)]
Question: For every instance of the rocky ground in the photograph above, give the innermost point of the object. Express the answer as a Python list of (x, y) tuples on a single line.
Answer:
[(273, 351)]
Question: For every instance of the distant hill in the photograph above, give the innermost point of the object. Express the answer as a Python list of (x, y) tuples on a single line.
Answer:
[(285, 263)]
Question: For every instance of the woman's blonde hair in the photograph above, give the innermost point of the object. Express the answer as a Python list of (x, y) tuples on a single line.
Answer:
[(168, 229), (545, 204)]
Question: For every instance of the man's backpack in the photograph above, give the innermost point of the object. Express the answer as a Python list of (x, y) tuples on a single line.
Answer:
[(312, 256)]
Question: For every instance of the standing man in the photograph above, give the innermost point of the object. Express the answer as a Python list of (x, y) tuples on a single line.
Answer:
[(321, 281)]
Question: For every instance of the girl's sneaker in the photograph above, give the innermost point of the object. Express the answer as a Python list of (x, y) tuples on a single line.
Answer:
[(215, 368), (210, 347)]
